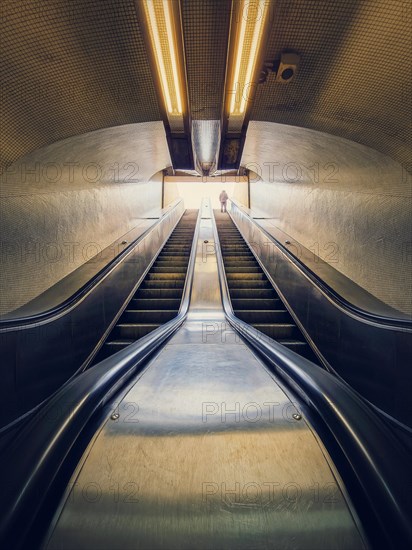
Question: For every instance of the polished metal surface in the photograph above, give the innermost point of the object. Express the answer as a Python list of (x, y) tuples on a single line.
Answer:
[(371, 356), (205, 139), (205, 452)]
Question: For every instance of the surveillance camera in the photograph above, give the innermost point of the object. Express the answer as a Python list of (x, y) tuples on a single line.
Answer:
[(288, 67)]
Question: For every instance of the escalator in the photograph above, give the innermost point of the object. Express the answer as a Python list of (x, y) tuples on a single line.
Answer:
[(158, 298), (148, 448), (253, 298)]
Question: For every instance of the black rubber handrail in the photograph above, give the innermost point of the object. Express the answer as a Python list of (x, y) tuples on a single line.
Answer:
[(34, 458), (327, 289), (86, 288), (377, 459)]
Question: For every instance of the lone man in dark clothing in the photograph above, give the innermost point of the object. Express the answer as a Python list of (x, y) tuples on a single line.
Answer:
[(223, 200)]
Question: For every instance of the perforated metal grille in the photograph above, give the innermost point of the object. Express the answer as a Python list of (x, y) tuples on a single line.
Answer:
[(206, 32), (70, 67), (355, 74)]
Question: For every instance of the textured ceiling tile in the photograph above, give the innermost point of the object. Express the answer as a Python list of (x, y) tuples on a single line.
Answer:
[(68, 67), (206, 31), (355, 74)]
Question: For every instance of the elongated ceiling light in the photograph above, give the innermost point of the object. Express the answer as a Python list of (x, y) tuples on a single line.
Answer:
[(252, 15), (159, 16)]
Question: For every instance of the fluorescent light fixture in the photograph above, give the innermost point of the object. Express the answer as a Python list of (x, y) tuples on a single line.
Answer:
[(159, 16), (248, 44)]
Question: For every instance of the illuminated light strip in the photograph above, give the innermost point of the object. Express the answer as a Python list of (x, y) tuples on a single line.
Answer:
[(253, 51), (238, 59), (257, 32), (170, 37), (155, 37)]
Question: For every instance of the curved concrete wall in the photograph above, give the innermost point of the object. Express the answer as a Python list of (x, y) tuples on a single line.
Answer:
[(348, 203), (62, 204)]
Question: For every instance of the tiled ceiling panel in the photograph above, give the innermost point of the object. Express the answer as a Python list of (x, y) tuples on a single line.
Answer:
[(68, 67), (206, 31), (355, 74)]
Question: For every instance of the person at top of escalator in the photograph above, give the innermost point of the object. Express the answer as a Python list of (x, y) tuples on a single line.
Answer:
[(223, 200)]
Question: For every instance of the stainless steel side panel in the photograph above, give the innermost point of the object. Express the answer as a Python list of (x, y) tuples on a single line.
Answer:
[(205, 453)]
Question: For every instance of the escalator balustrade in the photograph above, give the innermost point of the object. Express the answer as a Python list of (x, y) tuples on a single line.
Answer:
[(254, 300), (157, 300)]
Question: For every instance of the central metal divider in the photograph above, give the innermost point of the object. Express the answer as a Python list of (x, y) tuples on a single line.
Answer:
[(206, 450)]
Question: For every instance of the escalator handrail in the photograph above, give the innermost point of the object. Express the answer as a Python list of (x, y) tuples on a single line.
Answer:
[(377, 459), (70, 302), (330, 292), (41, 447)]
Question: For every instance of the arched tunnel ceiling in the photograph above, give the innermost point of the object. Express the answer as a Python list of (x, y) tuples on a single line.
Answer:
[(69, 67)]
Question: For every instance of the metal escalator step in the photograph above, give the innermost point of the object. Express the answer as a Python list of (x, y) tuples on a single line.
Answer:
[(143, 316), (278, 331), (256, 303), (263, 316), (153, 276), (170, 265), (181, 245), (162, 283), (158, 303), (177, 246), (179, 241), (290, 343), (243, 269), (112, 347), (236, 241), (240, 262), (255, 292), (244, 276), (301, 347), (120, 343), (248, 283), (175, 259), (169, 269), (126, 331), (151, 293), (175, 253), (166, 253), (237, 253)]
